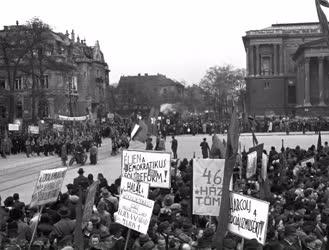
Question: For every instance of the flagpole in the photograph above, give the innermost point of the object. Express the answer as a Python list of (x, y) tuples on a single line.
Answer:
[(128, 238), (36, 226)]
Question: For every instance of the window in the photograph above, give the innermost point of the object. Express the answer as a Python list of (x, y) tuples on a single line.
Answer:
[(2, 83), (266, 85), (19, 109), (2, 112), (18, 83), (44, 81), (266, 65)]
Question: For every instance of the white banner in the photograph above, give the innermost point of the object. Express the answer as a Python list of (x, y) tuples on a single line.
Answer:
[(136, 187), (69, 118), (264, 166), (248, 217), (134, 212), (33, 129), (13, 127), (48, 186), (146, 166), (208, 177), (251, 164)]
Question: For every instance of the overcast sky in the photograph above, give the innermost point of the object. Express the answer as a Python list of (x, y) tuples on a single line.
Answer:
[(178, 38)]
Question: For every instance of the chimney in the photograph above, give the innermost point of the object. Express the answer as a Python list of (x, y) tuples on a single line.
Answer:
[(16, 22), (72, 36), (67, 33), (78, 39)]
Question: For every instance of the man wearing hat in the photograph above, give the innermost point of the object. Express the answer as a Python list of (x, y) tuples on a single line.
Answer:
[(81, 180), (204, 148), (64, 227)]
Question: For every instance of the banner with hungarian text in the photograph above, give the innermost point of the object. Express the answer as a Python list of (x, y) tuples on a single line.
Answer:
[(207, 186), (48, 186), (147, 166), (71, 118), (248, 217)]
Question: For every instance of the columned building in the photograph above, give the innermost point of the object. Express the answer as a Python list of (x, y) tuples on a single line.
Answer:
[(287, 70)]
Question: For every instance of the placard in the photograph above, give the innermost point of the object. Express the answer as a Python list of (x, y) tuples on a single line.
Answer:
[(248, 217), (33, 129), (135, 187), (251, 164), (58, 127), (258, 148), (134, 212), (90, 200), (136, 165), (264, 166), (48, 186), (208, 177), (13, 127), (304, 162)]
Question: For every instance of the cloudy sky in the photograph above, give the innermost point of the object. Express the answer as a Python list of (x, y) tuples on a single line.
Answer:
[(178, 38)]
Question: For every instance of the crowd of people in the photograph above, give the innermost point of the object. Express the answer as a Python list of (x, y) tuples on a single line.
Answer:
[(298, 217)]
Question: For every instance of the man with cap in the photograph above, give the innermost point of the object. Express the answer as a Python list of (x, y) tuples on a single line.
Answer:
[(81, 180)]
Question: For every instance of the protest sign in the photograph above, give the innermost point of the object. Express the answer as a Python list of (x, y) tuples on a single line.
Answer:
[(58, 127), (137, 165), (13, 127), (248, 217), (134, 212), (33, 129), (251, 164), (135, 187), (304, 162), (48, 186), (207, 186), (259, 149), (88, 209), (264, 166)]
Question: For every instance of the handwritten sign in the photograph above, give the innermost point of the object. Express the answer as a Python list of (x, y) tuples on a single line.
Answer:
[(90, 200), (264, 166), (33, 129), (135, 187), (304, 162), (248, 217), (137, 165), (251, 164), (58, 127), (13, 127), (134, 212), (48, 186), (207, 186)]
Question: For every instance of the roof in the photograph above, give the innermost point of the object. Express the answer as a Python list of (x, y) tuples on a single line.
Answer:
[(318, 43)]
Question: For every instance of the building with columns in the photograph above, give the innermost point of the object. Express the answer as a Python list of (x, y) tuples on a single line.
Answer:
[(287, 70)]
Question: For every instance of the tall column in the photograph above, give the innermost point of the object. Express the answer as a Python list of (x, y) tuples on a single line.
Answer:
[(298, 102), (247, 61), (51, 107), (321, 81), (281, 59), (257, 61), (275, 60), (307, 102), (252, 63)]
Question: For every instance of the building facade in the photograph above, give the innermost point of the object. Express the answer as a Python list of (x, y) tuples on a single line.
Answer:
[(72, 82), (142, 92), (287, 70)]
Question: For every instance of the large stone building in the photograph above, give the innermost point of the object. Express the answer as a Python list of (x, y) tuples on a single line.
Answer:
[(73, 83), (287, 70), (142, 92)]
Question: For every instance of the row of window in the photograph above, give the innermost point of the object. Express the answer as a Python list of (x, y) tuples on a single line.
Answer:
[(44, 83)]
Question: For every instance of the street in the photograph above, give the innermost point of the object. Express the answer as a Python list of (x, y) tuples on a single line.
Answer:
[(18, 173)]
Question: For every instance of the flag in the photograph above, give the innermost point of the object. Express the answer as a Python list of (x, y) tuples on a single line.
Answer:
[(141, 134), (254, 139), (230, 160), (322, 18), (319, 142)]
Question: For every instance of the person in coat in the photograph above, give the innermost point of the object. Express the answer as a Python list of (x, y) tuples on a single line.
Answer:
[(93, 154), (64, 154)]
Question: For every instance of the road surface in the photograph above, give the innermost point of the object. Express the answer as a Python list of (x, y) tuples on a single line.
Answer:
[(18, 174)]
